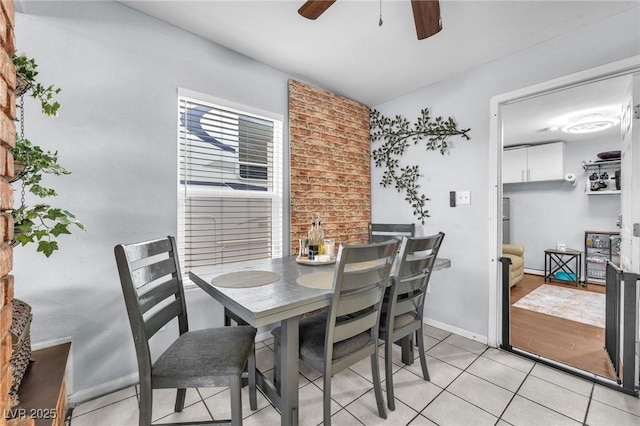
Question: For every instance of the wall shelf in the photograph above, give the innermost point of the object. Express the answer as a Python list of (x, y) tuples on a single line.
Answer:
[(606, 171), (601, 164), (614, 191)]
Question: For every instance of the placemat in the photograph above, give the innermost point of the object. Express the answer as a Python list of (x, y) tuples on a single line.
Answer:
[(319, 280), (364, 265), (245, 279)]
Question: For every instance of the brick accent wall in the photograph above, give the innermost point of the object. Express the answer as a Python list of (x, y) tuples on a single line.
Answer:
[(330, 164), (7, 141)]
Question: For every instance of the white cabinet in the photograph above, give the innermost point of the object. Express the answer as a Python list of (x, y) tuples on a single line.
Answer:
[(514, 165), (533, 163)]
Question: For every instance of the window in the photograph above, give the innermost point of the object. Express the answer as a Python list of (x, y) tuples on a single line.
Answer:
[(229, 182)]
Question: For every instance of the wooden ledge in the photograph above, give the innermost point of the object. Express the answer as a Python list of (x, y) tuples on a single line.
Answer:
[(42, 393)]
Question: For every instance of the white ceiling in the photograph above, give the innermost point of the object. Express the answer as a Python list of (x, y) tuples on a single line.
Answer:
[(540, 119), (345, 50)]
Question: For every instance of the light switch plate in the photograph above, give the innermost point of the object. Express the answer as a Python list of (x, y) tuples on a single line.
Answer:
[(636, 229), (463, 197)]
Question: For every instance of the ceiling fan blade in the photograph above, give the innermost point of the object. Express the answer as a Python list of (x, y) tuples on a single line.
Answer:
[(426, 14), (314, 8)]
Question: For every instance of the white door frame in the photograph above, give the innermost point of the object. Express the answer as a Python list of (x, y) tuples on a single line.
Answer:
[(616, 69)]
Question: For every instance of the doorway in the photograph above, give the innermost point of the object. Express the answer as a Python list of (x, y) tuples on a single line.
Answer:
[(499, 108)]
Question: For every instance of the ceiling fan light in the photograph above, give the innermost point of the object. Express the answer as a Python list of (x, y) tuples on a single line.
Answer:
[(588, 126)]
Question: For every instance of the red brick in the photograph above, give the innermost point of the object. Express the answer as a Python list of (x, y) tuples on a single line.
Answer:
[(7, 131), (7, 69), (5, 321), (6, 197), (6, 290), (9, 10), (4, 26), (6, 227), (6, 259)]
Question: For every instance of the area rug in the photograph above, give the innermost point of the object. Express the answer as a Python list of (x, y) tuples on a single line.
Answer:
[(575, 305)]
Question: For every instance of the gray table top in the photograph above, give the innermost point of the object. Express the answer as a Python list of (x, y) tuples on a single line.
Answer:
[(270, 303), (569, 251)]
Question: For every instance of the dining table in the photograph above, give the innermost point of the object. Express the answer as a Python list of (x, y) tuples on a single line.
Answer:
[(269, 292)]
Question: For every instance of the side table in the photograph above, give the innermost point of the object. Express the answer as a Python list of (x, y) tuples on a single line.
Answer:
[(562, 265)]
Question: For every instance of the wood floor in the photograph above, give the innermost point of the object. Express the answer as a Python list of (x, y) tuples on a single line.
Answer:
[(573, 343)]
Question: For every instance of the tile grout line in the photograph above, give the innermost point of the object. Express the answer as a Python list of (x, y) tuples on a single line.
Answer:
[(549, 408)]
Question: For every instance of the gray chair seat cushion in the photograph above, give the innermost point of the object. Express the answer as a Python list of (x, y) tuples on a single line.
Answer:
[(312, 331), (398, 322), (201, 357)]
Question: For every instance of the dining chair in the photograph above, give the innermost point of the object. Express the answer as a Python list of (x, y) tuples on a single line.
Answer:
[(403, 304), (347, 332), (154, 296), (383, 231)]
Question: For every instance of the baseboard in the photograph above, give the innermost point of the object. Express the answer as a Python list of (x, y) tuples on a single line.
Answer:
[(456, 330), (102, 389)]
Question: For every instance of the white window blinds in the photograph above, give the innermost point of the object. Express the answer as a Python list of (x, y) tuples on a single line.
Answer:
[(230, 182)]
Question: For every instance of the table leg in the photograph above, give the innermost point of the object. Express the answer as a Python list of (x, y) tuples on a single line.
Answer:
[(289, 372), (547, 266), (407, 349)]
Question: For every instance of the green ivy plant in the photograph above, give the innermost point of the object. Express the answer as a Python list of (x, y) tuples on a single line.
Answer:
[(26, 73), (397, 135), (40, 223)]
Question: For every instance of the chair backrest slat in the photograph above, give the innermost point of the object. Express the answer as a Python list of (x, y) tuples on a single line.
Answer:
[(354, 302), (411, 285), (149, 273), (160, 318), (356, 280), (144, 250), (412, 304), (383, 231), (159, 293), (355, 326), (416, 265)]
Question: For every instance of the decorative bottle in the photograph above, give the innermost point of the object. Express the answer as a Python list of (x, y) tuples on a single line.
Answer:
[(320, 237), (316, 236)]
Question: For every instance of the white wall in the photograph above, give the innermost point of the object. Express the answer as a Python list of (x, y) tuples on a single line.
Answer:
[(459, 295), (119, 71), (544, 214)]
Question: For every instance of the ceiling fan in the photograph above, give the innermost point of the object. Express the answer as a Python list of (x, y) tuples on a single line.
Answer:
[(426, 14)]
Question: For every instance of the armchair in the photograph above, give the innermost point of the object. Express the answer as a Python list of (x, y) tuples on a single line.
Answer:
[(515, 252)]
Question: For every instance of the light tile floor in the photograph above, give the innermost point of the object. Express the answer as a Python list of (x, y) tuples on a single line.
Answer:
[(471, 384)]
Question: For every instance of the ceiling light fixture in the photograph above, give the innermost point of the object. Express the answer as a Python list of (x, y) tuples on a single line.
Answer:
[(590, 123)]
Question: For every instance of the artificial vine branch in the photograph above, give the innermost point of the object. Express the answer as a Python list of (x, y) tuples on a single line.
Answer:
[(398, 134)]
